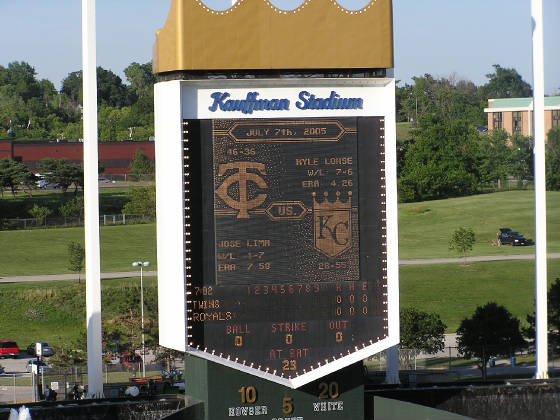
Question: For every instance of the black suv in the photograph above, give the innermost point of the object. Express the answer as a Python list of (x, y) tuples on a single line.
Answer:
[(47, 350), (508, 236)]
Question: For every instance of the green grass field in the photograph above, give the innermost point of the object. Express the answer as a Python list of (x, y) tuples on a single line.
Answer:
[(54, 311), (451, 290), (454, 290), (424, 232), (45, 251), (426, 227)]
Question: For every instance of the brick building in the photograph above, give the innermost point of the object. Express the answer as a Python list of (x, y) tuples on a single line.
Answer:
[(114, 156), (515, 115)]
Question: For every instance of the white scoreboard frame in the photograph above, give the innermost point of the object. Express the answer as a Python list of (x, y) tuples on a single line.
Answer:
[(178, 100)]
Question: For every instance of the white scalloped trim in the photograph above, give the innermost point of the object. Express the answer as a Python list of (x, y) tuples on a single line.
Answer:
[(286, 12), (219, 12), (354, 12)]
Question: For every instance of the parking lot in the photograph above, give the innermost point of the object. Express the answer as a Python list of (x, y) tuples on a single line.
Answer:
[(17, 365)]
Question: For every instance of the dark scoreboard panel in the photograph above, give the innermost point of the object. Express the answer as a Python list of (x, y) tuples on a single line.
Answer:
[(285, 240)]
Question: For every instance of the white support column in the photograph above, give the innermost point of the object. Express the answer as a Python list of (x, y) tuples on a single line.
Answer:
[(91, 202), (540, 191)]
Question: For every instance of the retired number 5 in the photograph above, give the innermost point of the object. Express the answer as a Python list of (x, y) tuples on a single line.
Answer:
[(287, 406)]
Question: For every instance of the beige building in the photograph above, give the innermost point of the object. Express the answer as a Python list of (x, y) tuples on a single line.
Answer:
[(514, 115)]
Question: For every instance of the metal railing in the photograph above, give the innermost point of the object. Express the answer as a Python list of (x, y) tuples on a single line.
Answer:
[(54, 222), (449, 366), (70, 383)]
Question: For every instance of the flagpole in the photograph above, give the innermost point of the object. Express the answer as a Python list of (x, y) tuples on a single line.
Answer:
[(541, 312), (91, 202)]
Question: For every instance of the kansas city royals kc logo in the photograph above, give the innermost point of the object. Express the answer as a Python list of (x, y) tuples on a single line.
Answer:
[(242, 177), (332, 225)]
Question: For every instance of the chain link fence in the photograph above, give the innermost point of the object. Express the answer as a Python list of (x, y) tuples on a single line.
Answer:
[(128, 177), (449, 365), (70, 383), (54, 222)]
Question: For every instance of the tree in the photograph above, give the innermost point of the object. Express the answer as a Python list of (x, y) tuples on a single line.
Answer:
[(462, 240), (21, 76), (39, 213), (441, 162), (126, 329), (420, 332), (142, 201), (553, 160), (72, 87), (448, 98), (553, 310), (521, 159), (506, 83), (167, 357), (141, 165), (72, 208), (76, 255), (63, 173), (13, 174), (142, 80), (494, 157), (74, 353), (35, 110), (110, 89), (125, 325), (491, 331)]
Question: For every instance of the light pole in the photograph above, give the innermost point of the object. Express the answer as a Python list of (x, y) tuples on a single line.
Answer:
[(142, 265)]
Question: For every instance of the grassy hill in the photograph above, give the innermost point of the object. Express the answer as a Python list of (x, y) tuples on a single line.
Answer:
[(55, 311), (426, 227), (424, 232), (454, 290), (45, 251)]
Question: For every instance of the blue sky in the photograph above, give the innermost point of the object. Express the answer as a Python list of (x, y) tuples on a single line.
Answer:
[(440, 37)]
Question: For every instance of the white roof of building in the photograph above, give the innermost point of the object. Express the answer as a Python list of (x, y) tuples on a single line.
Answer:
[(520, 104)]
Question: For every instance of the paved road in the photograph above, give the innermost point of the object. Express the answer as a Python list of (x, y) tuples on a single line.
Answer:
[(124, 274), (50, 277), (475, 259)]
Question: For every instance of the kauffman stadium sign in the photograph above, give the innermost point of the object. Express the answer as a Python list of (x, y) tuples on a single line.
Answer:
[(253, 101)]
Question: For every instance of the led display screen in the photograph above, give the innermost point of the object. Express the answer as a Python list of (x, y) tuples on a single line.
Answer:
[(285, 240)]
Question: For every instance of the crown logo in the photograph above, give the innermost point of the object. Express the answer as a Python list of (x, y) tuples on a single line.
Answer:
[(267, 37), (328, 205), (332, 224)]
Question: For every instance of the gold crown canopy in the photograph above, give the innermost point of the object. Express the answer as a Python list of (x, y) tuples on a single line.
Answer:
[(255, 35)]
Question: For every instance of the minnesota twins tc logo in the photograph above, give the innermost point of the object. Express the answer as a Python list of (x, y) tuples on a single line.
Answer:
[(332, 225), (242, 178)]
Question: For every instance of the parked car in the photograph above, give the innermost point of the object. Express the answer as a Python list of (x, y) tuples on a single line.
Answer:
[(129, 359), (105, 181), (39, 363), (9, 348), (47, 350), (42, 184), (510, 237)]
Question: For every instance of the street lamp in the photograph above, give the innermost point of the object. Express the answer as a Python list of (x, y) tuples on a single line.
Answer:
[(142, 265)]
